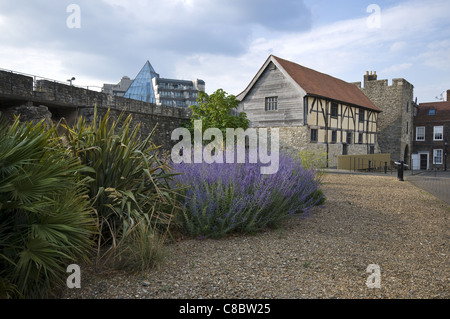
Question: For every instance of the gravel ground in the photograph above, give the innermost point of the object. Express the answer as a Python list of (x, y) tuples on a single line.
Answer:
[(366, 220)]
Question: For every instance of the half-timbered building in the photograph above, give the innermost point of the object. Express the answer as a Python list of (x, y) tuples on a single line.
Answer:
[(313, 110)]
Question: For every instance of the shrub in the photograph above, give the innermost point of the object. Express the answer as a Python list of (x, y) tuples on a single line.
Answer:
[(313, 159), (226, 198), (45, 217), (129, 186)]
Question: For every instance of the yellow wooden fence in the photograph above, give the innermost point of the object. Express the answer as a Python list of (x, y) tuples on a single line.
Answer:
[(364, 162)]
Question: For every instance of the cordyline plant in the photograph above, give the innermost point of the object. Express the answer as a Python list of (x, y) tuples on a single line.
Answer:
[(129, 187), (227, 198), (46, 218)]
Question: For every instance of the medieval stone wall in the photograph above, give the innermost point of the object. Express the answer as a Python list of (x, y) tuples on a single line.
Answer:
[(15, 84), (294, 139), (165, 124), (35, 100), (395, 123)]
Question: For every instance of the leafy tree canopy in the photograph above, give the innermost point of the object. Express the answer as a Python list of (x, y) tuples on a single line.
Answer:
[(218, 110)]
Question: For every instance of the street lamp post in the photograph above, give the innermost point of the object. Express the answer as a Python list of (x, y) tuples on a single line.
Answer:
[(71, 80), (445, 154)]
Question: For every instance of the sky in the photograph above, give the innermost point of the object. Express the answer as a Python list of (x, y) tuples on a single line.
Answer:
[(225, 42)]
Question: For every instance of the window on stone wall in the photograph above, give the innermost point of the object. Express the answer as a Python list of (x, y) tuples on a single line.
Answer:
[(437, 157), (349, 138), (272, 103), (438, 133), (314, 135), (333, 136), (420, 133)]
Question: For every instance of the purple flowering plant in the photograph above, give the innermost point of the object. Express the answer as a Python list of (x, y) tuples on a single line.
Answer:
[(227, 198)]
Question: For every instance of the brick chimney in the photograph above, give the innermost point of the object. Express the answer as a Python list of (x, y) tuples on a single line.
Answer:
[(448, 95), (370, 76)]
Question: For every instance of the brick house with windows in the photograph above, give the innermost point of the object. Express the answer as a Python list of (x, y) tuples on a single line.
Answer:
[(431, 135), (313, 110)]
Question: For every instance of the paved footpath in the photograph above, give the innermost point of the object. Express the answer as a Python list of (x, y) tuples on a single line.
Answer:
[(435, 183)]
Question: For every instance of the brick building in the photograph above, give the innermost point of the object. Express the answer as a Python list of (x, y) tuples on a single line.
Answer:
[(431, 135)]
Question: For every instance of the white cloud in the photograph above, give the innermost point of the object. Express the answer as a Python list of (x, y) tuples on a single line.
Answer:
[(437, 55), (396, 68), (398, 46), (222, 42), (345, 49)]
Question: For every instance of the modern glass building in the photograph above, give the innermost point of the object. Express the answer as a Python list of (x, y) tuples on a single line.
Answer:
[(142, 87), (149, 87)]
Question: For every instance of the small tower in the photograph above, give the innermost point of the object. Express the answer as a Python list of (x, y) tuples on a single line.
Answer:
[(395, 123)]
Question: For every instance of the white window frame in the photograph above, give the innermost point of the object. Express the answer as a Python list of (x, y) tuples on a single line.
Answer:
[(438, 156), (420, 135), (438, 130)]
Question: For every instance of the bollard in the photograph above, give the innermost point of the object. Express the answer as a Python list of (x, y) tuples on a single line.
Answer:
[(400, 170)]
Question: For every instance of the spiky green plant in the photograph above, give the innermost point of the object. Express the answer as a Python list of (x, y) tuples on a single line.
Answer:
[(45, 218), (129, 185)]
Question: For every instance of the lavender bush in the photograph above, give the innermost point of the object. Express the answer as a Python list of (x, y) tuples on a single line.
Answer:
[(225, 198)]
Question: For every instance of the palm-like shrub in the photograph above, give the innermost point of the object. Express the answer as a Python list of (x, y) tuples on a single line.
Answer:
[(129, 186), (45, 218)]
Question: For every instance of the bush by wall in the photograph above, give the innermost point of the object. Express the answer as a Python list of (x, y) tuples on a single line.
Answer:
[(226, 198), (46, 218)]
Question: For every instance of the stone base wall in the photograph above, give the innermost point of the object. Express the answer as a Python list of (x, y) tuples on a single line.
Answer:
[(295, 139), (162, 136), (27, 113), (164, 124)]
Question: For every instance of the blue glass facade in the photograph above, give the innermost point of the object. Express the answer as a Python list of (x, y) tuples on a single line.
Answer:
[(142, 87)]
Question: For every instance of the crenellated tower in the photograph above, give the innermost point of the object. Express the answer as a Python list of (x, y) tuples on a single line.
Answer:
[(395, 123)]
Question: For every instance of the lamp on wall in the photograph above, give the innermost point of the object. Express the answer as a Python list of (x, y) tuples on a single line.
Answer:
[(71, 80)]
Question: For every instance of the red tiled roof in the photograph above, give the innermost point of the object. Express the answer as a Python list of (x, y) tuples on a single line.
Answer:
[(323, 85), (442, 108)]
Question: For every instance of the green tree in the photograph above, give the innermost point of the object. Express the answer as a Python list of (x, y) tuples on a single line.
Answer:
[(218, 110)]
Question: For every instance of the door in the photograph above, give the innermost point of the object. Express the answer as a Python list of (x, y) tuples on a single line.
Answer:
[(424, 161), (416, 162), (344, 149)]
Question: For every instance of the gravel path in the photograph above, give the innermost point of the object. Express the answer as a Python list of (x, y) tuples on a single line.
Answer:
[(366, 220)]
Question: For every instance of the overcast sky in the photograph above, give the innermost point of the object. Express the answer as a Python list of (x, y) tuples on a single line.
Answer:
[(225, 42)]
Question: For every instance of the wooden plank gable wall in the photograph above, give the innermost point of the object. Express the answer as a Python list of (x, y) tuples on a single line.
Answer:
[(272, 83)]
